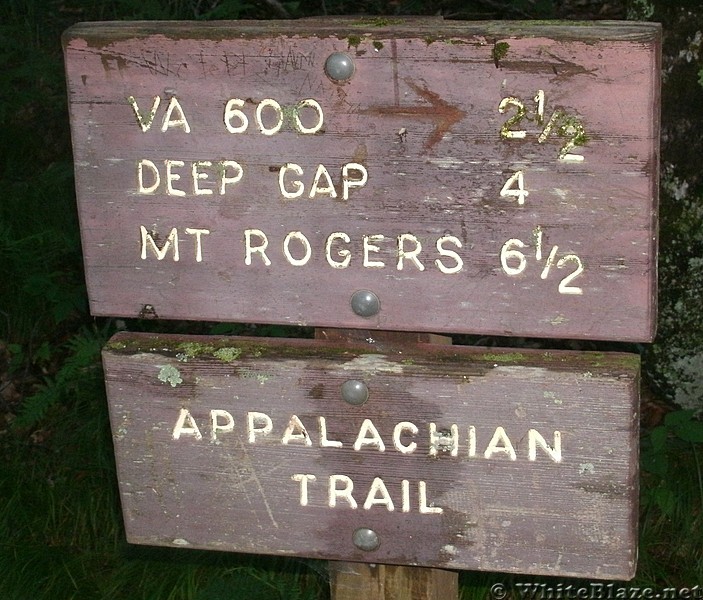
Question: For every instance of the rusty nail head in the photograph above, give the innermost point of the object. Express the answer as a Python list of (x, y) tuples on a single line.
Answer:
[(366, 539)]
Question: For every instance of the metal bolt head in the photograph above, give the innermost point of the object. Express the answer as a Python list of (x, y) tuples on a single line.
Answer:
[(366, 539), (365, 303), (355, 392), (339, 66)]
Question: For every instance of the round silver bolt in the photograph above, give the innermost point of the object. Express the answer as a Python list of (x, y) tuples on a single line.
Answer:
[(355, 392), (365, 303), (366, 539), (339, 66)]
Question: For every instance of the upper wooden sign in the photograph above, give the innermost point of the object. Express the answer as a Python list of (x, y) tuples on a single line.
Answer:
[(494, 178)]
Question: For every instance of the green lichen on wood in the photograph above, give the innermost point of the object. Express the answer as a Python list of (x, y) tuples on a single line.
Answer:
[(229, 354), (115, 345), (573, 128), (228, 350), (189, 350), (503, 357), (379, 22), (169, 374)]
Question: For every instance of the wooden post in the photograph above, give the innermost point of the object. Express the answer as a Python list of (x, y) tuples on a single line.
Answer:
[(350, 580)]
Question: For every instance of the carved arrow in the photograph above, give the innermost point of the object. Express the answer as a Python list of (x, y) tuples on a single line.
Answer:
[(445, 115)]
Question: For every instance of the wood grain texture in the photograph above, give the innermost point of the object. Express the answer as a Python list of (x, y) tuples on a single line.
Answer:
[(352, 581), (421, 115), (484, 509)]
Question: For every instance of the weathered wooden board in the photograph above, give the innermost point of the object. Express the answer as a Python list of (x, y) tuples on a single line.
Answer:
[(468, 178), (461, 458), (495, 178)]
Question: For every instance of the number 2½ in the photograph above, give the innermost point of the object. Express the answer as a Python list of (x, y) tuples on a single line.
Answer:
[(561, 124)]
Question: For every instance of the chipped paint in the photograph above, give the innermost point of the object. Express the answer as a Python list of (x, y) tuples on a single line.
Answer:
[(447, 162), (553, 397), (180, 542), (372, 363), (586, 469)]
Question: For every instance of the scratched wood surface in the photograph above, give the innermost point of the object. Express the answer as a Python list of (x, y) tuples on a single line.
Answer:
[(209, 453), (496, 178)]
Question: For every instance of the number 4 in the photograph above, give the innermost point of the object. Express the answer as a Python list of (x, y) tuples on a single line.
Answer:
[(519, 192)]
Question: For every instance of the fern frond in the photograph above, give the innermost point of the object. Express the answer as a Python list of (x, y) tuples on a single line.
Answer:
[(83, 358)]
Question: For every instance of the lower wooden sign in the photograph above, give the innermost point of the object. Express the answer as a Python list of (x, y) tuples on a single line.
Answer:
[(443, 456)]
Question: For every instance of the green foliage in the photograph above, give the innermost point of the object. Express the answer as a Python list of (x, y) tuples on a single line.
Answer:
[(675, 362), (76, 378), (640, 10), (290, 581), (42, 287), (665, 441), (671, 499)]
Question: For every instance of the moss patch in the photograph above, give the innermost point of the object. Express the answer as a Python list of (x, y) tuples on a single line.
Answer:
[(506, 357), (188, 350), (354, 41), (500, 51), (227, 354), (380, 22)]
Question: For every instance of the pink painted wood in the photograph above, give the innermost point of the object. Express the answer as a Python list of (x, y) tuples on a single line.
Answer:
[(238, 485), (431, 130)]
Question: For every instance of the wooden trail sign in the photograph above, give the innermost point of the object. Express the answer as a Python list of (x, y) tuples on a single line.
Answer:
[(459, 458), (494, 178)]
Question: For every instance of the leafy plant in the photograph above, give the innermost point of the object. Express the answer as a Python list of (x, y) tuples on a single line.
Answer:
[(672, 501), (680, 431), (81, 368)]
